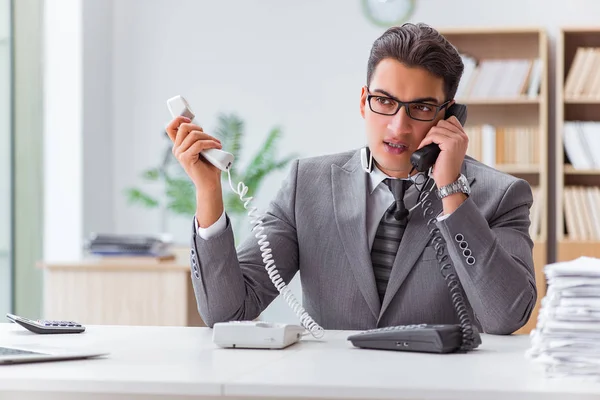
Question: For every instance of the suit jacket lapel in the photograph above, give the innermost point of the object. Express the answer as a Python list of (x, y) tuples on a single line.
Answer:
[(349, 185), (415, 238)]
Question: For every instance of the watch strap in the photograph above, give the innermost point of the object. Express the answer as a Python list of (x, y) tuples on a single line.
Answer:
[(461, 185)]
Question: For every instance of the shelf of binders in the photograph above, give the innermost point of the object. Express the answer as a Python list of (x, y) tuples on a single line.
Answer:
[(493, 101), (511, 149), (505, 88), (578, 143)]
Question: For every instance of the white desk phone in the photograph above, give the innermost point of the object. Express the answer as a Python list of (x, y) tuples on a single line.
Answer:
[(258, 334)]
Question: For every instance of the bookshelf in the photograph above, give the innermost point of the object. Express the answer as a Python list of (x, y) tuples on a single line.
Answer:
[(505, 87), (578, 143)]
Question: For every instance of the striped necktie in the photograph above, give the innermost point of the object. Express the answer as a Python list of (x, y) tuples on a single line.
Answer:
[(389, 234)]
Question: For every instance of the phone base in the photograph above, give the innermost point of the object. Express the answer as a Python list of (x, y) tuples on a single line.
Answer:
[(256, 335)]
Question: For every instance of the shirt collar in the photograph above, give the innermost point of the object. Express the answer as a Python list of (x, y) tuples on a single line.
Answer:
[(376, 177)]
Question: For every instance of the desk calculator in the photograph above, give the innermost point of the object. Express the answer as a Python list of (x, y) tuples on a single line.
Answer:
[(47, 326)]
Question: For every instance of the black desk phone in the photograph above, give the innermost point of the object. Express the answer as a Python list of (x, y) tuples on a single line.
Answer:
[(424, 158), (424, 337)]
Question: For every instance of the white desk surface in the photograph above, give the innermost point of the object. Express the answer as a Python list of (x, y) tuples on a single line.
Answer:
[(176, 362)]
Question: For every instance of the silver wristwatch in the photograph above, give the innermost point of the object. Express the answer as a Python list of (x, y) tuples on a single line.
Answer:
[(461, 185)]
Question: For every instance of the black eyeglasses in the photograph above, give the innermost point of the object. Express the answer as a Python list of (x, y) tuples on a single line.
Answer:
[(417, 110)]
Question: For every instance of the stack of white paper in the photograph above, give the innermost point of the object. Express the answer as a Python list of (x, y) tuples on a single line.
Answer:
[(566, 340)]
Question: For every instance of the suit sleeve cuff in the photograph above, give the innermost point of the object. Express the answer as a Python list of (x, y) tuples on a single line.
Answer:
[(213, 230), (466, 220)]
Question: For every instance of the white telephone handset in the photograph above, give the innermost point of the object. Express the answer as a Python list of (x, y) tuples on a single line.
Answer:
[(236, 333), (178, 106)]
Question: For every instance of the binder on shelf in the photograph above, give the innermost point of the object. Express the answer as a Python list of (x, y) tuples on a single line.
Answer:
[(583, 77), (496, 146), (581, 141), (500, 78), (582, 212)]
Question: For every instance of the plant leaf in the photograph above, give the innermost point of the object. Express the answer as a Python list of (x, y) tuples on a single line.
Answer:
[(233, 204), (230, 131), (265, 154), (136, 196), (181, 195), (151, 174), (268, 167), (179, 192)]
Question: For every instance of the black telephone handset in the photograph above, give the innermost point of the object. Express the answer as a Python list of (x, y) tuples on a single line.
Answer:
[(424, 158), (429, 338)]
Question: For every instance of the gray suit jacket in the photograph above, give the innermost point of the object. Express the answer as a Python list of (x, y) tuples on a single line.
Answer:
[(316, 225)]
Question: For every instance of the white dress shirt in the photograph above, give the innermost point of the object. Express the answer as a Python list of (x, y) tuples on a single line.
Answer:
[(379, 199)]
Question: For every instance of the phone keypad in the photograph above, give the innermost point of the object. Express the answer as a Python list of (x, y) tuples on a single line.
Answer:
[(397, 328)]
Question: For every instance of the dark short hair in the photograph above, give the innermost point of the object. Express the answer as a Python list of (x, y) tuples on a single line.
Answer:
[(419, 45)]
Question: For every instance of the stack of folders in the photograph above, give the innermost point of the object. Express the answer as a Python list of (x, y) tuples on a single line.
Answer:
[(566, 340), (122, 245)]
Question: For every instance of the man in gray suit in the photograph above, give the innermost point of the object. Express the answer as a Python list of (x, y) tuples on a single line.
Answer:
[(355, 228)]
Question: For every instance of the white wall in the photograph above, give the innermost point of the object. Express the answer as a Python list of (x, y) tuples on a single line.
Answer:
[(78, 156), (98, 163), (63, 105), (298, 64)]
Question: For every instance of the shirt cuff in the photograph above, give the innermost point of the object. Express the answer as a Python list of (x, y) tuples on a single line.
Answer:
[(213, 230), (442, 217)]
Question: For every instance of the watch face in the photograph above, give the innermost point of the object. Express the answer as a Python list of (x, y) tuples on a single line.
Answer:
[(388, 12)]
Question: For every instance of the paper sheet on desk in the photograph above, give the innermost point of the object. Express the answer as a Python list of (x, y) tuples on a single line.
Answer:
[(574, 314), (566, 340), (590, 302), (560, 368), (582, 266)]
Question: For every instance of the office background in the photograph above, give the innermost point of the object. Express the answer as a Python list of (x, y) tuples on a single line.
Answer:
[(90, 79)]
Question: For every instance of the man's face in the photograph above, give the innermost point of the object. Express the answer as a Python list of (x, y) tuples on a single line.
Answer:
[(393, 138)]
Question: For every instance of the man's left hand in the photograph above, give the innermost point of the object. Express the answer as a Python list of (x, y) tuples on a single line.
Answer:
[(453, 141)]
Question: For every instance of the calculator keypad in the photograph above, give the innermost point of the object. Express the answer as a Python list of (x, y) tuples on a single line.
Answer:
[(70, 324)]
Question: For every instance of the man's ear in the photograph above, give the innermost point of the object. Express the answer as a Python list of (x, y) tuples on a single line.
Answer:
[(363, 100)]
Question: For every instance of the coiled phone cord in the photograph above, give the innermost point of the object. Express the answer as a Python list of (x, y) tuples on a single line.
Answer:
[(448, 272), (305, 319)]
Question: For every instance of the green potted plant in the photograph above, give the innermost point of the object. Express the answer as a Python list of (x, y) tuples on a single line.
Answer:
[(179, 196)]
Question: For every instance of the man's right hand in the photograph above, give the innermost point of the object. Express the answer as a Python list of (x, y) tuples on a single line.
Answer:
[(188, 141)]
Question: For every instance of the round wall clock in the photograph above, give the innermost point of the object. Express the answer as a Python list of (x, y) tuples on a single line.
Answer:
[(388, 13)]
